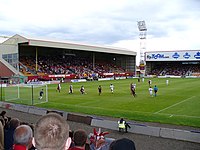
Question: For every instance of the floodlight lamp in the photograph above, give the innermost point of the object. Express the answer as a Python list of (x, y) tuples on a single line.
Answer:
[(142, 26)]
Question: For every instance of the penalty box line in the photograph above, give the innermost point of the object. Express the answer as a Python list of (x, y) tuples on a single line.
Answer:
[(174, 105)]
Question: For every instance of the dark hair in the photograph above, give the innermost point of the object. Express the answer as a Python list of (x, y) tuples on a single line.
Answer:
[(53, 111), (121, 120), (122, 144), (71, 134), (14, 123), (3, 113), (80, 137)]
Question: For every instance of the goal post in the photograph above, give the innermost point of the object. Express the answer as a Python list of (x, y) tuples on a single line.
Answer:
[(28, 94)]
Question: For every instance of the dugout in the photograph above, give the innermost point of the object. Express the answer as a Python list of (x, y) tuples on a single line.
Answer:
[(16, 47)]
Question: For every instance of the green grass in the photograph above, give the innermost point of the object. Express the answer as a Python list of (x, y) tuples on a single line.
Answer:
[(178, 103)]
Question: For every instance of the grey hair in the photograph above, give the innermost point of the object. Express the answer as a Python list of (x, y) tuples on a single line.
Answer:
[(22, 135)]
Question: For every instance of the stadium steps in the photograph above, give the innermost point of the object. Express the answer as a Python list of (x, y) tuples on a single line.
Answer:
[(30, 72)]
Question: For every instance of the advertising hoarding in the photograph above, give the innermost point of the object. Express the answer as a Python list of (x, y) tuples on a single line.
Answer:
[(190, 55)]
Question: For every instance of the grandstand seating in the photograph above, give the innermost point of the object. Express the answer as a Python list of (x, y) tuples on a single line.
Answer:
[(82, 67), (176, 69)]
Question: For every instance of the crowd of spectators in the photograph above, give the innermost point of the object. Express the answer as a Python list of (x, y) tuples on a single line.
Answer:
[(176, 69), (52, 65), (83, 67), (52, 132)]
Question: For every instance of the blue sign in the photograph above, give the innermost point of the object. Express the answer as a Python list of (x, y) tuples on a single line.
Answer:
[(197, 55), (176, 55), (156, 56), (186, 55)]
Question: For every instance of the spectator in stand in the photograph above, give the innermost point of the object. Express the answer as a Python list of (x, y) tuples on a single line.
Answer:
[(4, 117), (122, 144), (79, 139), (8, 133), (98, 140), (23, 136), (1, 137), (52, 133), (2, 121)]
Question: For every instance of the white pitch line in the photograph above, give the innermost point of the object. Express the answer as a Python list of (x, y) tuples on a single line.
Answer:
[(174, 105), (171, 115)]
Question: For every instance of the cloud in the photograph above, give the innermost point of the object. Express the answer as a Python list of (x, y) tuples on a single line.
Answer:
[(172, 24)]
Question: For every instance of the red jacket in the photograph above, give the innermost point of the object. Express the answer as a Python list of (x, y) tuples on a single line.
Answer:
[(19, 147), (76, 148)]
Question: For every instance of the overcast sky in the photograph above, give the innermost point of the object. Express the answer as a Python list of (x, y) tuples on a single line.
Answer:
[(171, 24)]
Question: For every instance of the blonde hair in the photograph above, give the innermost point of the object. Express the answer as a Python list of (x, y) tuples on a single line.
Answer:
[(51, 132)]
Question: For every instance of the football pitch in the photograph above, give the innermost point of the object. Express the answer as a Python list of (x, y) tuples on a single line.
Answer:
[(177, 103)]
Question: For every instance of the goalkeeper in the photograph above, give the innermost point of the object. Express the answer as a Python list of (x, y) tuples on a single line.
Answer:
[(41, 94)]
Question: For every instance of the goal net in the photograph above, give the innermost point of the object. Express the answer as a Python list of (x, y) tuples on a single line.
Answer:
[(11, 92), (30, 94)]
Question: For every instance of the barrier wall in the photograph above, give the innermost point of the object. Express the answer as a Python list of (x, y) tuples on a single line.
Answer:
[(191, 136), (21, 108), (37, 111), (180, 135), (104, 124), (79, 118)]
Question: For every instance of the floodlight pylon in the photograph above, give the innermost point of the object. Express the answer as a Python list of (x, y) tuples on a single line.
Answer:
[(142, 35)]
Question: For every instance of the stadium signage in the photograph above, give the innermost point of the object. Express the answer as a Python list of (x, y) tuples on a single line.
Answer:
[(173, 56), (157, 56)]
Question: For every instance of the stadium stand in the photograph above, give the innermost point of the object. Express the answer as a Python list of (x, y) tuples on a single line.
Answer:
[(176, 69), (79, 66)]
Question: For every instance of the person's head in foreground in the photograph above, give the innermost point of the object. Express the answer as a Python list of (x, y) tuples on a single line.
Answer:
[(52, 133), (80, 138), (122, 144), (23, 137)]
